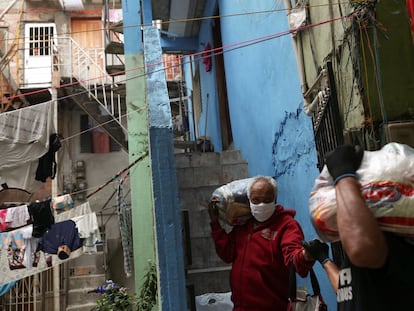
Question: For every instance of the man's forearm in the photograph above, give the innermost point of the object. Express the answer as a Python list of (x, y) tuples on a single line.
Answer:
[(361, 237), (333, 273)]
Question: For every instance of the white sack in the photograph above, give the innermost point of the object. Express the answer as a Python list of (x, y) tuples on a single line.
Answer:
[(214, 302), (387, 183)]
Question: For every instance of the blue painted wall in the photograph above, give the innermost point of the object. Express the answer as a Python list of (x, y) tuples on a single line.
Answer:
[(265, 103)]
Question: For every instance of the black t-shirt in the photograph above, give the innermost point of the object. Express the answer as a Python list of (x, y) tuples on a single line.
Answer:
[(390, 288)]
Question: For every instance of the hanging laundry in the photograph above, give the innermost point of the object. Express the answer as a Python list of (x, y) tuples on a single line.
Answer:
[(14, 243), (42, 217), (47, 163), (24, 138), (62, 203), (88, 228), (125, 225), (207, 61), (60, 234), (30, 244), (3, 224), (17, 216)]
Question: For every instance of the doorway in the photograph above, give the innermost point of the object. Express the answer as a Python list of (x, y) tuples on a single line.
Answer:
[(225, 124), (39, 45)]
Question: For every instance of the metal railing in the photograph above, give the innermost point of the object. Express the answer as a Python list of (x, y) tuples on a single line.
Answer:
[(35, 292), (85, 67), (326, 121)]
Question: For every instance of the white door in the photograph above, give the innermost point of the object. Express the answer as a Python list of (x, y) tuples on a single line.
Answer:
[(39, 40)]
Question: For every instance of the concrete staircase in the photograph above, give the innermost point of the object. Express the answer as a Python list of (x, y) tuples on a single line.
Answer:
[(198, 175), (86, 273)]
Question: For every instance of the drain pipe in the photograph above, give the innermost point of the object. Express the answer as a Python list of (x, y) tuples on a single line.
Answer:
[(297, 45), (205, 125)]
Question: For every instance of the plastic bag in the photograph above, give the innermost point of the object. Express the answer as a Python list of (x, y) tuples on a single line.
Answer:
[(214, 302), (386, 177), (233, 203)]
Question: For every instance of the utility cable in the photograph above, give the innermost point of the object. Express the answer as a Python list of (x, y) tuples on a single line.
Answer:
[(140, 158)]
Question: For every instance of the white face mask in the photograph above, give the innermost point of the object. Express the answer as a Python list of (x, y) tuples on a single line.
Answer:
[(262, 211)]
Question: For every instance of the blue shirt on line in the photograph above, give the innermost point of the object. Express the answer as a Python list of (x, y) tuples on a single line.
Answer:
[(61, 233)]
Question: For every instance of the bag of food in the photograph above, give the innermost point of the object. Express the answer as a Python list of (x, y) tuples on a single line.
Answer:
[(232, 201), (386, 177)]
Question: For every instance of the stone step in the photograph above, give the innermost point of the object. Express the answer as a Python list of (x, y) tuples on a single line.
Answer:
[(89, 281), (81, 296), (86, 270), (210, 282), (81, 307), (95, 262)]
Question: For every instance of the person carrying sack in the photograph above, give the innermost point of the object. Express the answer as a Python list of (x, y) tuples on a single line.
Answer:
[(261, 250), (377, 270)]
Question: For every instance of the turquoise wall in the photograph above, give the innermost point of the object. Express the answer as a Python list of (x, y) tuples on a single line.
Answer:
[(265, 103)]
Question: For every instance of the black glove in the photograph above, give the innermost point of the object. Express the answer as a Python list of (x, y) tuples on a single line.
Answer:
[(344, 161), (213, 210), (318, 250)]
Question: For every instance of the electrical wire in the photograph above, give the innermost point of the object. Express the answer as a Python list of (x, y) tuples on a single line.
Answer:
[(197, 56), (183, 20), (215, 51)]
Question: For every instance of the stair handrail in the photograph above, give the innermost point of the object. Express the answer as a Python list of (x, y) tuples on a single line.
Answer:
[(100, 83), (5, 71), (6, 58)]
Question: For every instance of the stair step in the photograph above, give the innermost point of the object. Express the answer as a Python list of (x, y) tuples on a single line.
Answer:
[(81, 307), (117, 27), (87, 270), (88, 281), (115, 70), (120, 90), (81, 296), (114, 47)]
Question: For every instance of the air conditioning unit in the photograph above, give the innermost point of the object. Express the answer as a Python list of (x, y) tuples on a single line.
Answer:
[(401, 132)]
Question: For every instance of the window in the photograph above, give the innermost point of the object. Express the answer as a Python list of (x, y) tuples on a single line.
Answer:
[(40, 40)]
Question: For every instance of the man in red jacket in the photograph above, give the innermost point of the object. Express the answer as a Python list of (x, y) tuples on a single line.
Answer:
[(261, 250)]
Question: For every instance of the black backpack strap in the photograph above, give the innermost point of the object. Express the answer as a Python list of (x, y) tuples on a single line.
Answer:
[(292, 282), (314, 281)]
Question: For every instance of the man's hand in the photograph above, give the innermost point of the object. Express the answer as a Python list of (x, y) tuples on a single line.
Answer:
[(213, 211), (318, 250), (344, 161)]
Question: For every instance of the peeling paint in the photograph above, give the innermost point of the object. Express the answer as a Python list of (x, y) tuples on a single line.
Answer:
[(292, 142)]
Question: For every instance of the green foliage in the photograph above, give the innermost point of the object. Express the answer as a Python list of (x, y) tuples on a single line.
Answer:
[(148, 296), (115, 299)]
